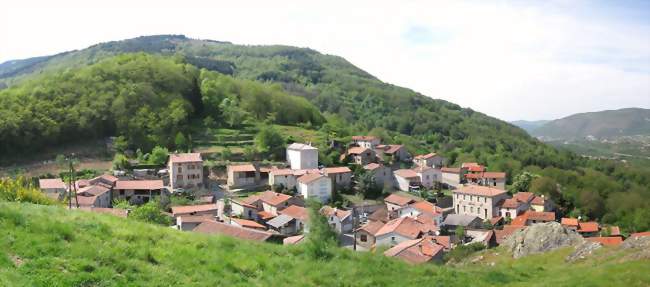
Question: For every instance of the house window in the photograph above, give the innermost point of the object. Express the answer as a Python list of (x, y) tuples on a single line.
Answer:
[(464, 208), (250, 213), (471, 209), (364, 238), (180, 169), (392, 238), (486, 213), (495, 183)]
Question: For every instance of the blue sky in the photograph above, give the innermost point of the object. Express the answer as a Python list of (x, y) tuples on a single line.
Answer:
[(509, 59)]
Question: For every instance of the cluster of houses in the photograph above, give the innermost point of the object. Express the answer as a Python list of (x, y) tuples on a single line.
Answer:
[(412, 229), (185, 171)]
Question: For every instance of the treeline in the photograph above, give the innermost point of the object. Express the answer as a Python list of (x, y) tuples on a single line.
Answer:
[(146, 99)]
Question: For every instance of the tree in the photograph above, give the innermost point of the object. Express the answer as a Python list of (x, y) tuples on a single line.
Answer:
[(367, 185), (180, 141), (120, 162), (120, 144), (321, 239), (226, 153), (150, 212), (523, 181), (460, 233), (158, 155), (269, 141)]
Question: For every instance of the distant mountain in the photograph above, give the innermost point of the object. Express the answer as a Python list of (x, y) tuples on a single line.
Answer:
[(529, 126), (600, 125)]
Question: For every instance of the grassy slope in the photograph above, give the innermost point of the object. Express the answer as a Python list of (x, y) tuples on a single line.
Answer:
[(61, 248)]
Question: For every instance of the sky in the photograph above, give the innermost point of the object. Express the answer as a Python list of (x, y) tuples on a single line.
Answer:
[(512, 60)]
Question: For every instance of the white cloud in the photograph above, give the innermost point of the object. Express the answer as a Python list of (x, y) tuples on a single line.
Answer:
[(508, 60)]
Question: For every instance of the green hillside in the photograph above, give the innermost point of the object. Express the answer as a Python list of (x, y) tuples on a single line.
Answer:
[(218, 94), (51, 246), (529, 126), (604, 124)]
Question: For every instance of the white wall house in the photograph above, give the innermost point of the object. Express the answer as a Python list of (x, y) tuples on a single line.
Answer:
[(428, 176), (316, 186), (185, 170), (339, 220), (451, 177), (366, 141), (429, 160), (302, 156), (405, 178), (476, 200)]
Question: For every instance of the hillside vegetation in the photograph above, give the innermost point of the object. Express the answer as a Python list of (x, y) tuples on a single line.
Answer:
[(192, 85), (51, 246), (603, 124)]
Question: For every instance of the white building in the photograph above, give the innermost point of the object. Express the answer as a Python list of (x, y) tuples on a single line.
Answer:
[(302, 156), (476, 200), (429, 160), (428, 176), (406, 178), (366, 141), (340, 220), (185, 170), (451, 177), (316, 186), (382, 174)]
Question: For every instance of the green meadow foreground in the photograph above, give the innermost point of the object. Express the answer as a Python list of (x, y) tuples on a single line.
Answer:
[(51, 246)]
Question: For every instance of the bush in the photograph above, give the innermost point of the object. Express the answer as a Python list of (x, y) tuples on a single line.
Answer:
[(463, 251), (20, 190), (321, 241), (150, 212)]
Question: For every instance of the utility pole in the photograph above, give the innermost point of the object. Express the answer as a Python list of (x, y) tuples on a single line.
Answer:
[(71, 183)]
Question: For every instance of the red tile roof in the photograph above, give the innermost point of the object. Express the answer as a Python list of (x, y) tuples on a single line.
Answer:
[(542, 216), (265, 215), (357, 150), (405, 226), (415, 251), (338, 169), (187, 209), (640, 234), (473, 167), (139, 184), (520, 220), (607, 241), (330, 211), (495, 220), (524, 196), (296, 212), (185, 157), (105, 177), (614, 231), (445, 241), (450, 170), (273, 198), (213, 227), (426, 156), (51, 183), (94, 190), (307, 178), (291, 240), (241, 168), (372, 227), (499, 175), (406, 173), (426, 207), (196, 218), (504, 233), (588, 226), (372, 166), (480, 190), (537, 200), (364, 138), (511, 203), (392, 148), (399, 199), (247, 223), (569, 221)]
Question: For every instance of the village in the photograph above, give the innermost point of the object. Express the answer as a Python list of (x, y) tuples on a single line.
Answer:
[(251, 201)]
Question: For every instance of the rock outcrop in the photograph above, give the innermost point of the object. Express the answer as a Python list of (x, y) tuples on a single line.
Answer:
[(540, 238), (640, 245), (583, 251)]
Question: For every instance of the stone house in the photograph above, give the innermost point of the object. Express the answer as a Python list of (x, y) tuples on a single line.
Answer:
[(481, 201), (185, 170), (366, 141), (244, 175), (137, 190), (451, 177), (491, 179), (360, 155), (429, 160), (341, 176), (340, 220)]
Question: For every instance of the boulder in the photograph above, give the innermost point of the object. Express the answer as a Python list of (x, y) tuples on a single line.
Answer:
[(583, 250), (640, 247), (541, 237)]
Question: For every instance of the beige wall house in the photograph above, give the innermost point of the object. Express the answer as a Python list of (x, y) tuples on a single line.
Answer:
[(138, 190), (429, 160), (244, 175), (399, 230), (392, 153), (340, 220), (492, 179), (302, 156), (341, 176), (242, 208), (185, 170), (53, 187), (316, 186), (451, 177), (404, 179), (396, 201), (383, 175), (365, 235), (366, 141), (93, 196), (361, 155), (481, 201), (428, 176)]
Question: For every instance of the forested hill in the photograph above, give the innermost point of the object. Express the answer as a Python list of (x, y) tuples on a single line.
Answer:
[(150, 99), (603, 124)]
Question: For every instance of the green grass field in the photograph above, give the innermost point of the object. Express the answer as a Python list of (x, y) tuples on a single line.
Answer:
[(51, 246)]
